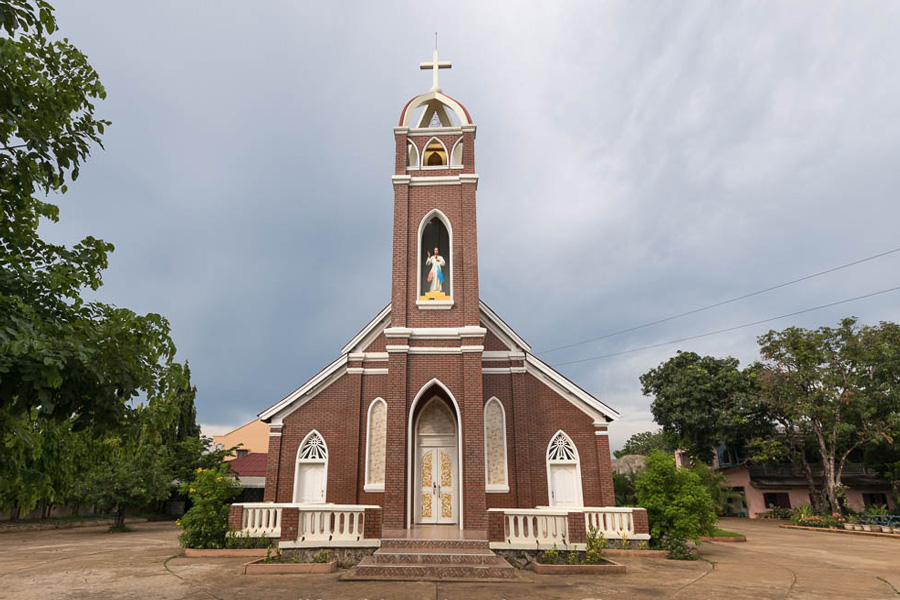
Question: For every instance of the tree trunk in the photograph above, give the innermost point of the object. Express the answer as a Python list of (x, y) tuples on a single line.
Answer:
[(120, 518)]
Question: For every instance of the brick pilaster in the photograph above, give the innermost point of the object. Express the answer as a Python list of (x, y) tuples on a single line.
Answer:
[(372, 527), (577, 530), (290, 523), (524, 464), (475, 503), (496, 528), (235, 517), (272, 464), (641, 523), (604, 462), (395, 445)]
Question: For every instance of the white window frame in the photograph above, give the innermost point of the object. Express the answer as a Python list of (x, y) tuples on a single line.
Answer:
[(576, 461), (504, 487), (373, 487), (300, 461)]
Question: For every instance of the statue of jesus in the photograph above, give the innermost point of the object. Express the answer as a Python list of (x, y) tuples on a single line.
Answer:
[(436, 274)]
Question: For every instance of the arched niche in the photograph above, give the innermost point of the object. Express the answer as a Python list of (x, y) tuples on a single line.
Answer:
[(435, 275), (376, 444), (496, 478)]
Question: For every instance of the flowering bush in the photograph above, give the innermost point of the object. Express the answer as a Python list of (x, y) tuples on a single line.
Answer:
[(206, 523), (676, 547)]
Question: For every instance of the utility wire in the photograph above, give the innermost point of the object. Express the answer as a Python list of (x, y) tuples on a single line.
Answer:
[(722, 303), (727, 329)]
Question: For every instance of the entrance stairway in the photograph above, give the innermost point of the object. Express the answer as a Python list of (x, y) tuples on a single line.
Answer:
[(405, 559)]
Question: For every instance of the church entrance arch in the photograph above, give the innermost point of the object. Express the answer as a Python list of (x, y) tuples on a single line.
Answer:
[(435, 466)]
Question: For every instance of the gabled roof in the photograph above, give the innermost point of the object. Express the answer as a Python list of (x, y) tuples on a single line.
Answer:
[(250, 465), (492, 322)]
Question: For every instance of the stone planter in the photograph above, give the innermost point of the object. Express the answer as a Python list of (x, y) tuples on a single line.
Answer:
[(224, 552), (848, 526), (619, 552), (887, 529), (606, 568), (260, 567), (867, 528), (857, 527)]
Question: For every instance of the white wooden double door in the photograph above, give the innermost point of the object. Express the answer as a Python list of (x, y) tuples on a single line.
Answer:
[(438, 497)]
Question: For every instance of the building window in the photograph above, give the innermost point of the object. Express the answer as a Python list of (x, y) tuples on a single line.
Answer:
[(777, 500), (874, 499), (241, 453), (563, 472), (311, 473), (495, 469), (376, 440)]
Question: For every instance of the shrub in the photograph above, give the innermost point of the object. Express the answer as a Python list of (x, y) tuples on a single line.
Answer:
[(678, 503), (676, 547), (205, 525), (321, 556), (551, 556)]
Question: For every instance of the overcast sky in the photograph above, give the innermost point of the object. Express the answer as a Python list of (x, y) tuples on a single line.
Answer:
[(636, 160)]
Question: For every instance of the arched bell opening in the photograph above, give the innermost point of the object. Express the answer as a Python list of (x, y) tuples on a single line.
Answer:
[(435, 490), (435, 154), (435, 254)]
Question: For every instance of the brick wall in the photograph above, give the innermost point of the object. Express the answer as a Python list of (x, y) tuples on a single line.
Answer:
[(290, 523), (641, 523), (235, 518)]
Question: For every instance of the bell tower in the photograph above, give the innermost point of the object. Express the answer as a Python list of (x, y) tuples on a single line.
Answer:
[(435, 252), (435, 339)]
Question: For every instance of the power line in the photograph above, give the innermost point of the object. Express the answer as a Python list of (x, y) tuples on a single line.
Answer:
[(727, 329), (722, 303)]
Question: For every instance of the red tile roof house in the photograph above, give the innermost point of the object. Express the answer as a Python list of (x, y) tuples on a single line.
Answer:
[(436, 420)]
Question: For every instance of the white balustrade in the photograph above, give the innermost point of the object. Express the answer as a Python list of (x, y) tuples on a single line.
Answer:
[(612, 522), (331, 524), (542, 528), (261, 519), (535, 528)]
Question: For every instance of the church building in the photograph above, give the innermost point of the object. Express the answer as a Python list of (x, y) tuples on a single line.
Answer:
[(437, 412)]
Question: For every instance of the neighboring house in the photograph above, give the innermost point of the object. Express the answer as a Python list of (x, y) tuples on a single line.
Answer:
[(763, 487), (253, 438), (630, 464), (251, 472)]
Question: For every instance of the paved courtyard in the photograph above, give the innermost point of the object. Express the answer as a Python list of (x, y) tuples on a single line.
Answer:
[(774, 563)]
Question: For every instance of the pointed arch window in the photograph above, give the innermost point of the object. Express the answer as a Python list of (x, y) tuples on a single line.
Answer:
[(311, 472), (495, 462), (376, 443), (412, 155), (435, 154), (563, 472), (456, 156)]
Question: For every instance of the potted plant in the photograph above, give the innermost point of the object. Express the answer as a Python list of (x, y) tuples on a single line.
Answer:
[(851, 522)]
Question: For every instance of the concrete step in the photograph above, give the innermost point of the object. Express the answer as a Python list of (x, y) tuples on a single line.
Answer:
[(420, 555), (436, 544), (368, 568)]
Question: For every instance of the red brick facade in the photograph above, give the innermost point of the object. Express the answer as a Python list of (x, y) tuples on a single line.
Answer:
[(465, 348)]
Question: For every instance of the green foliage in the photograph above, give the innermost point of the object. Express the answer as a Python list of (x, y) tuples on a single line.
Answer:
[(837, 387), (644, 443), (717, 485), (678, 503), (133, 475), (702, 401), (677, 547), (624, 488), (573, 557), (242, 542), (551, 557), (205, 525), (321, 556)]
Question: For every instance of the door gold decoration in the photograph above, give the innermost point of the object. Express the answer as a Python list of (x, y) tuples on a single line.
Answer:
[(426, 470), (426, 506)]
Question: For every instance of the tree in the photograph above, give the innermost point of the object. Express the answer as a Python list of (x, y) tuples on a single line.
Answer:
[(678, 503), (211, 490), (838, 387), (133, 473), (703, 401), (61, 355), (644, 443)]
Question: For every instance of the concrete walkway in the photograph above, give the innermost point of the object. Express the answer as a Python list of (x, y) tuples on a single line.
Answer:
[(774, 563)]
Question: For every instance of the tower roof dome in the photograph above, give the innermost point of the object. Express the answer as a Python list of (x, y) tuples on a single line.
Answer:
[(435, 102)]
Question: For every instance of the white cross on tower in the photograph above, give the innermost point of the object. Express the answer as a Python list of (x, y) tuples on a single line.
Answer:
[(434, 65)]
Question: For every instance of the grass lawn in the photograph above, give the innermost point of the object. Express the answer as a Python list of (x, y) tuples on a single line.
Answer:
[(724, 533)]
